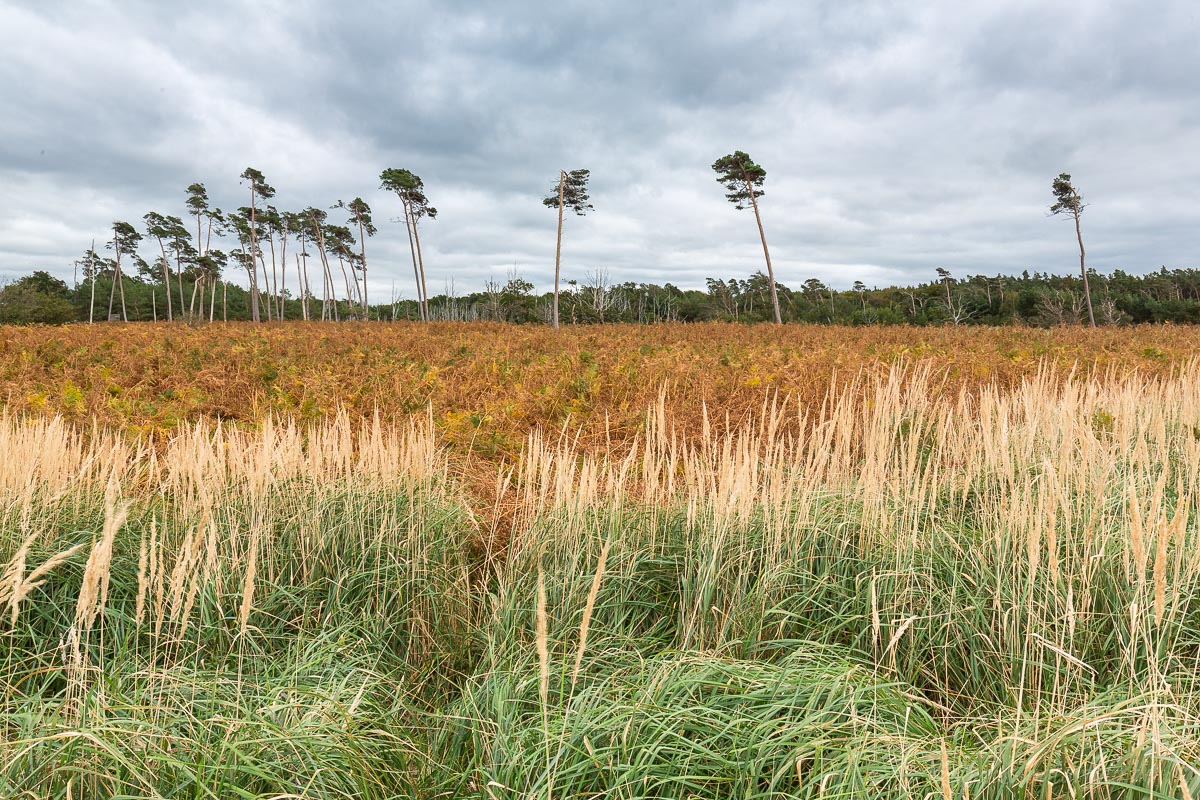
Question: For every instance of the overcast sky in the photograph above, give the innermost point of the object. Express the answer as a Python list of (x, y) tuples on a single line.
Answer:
[(897, 137)]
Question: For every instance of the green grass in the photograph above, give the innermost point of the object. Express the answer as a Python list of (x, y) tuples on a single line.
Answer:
[(719, 663)]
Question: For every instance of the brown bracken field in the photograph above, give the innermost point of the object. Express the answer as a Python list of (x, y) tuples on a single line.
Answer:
[(488, 385)]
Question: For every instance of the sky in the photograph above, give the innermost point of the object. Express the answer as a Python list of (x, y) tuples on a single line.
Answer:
[(897, 137)]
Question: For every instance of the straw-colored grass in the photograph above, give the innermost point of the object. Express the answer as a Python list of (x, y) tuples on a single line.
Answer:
[(900, 591)]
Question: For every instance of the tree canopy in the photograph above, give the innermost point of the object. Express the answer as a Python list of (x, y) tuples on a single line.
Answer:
[(741, 177)]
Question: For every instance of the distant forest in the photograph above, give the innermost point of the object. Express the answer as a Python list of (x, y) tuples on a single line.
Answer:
[(1030, 299), (186, 276)]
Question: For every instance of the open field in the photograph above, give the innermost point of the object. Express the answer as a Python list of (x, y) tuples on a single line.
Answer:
[(488, 385), (941, 564)]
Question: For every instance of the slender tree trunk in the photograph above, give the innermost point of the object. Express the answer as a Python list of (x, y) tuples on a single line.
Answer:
[(179, 281), (412, 250), (266, 300), (282, 270), (203, 252), (325, 312), (346, 278), (328, 279), (248, 263), (225, 301), (362, 249), (154, 303), (562, 177), (92, 304), (421, 264), (766, 253), (212, 300), (337, 314), (274, 278), (330, 290), (262, 259), (121, 283), (302, 278), (166, 271), (112, 290), (192, 304), (1087, 292), (253, 257)]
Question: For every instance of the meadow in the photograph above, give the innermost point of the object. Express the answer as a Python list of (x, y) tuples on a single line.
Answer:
[(673, 562)]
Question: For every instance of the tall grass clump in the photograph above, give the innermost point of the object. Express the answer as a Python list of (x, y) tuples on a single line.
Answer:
[(1020, 566), (253, 610)]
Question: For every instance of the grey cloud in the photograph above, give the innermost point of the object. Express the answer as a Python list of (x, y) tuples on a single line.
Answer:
[(896, 138)]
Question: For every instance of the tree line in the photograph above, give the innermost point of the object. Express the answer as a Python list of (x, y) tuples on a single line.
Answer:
[(1026, 299), (186, 274)]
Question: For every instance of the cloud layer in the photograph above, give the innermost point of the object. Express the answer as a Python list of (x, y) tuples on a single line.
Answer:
[(897, 137)]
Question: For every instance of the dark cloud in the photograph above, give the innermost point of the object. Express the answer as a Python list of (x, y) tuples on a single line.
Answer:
[(897, 138)]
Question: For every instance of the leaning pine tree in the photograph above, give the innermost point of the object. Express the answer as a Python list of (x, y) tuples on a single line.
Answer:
[(411, 191), (1067, 200), (742, 179), (572, 193), (124, 242), (259, 190)]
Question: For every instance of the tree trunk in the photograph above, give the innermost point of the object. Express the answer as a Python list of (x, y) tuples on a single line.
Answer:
[(253, 258), (212, 300), (282, 271), (121, 283), (154, 303), (412, 249), (328, 289), (192, 304), (333, 294), (267, 285), (166, 270), (562, 177), (326, 314), (274, 278), (346, 278), (112, 290), (92, 305), (179, 282), (1087, 292), (225, 301), (362, 245), (421, 264), (766, 253), (302, 279)]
